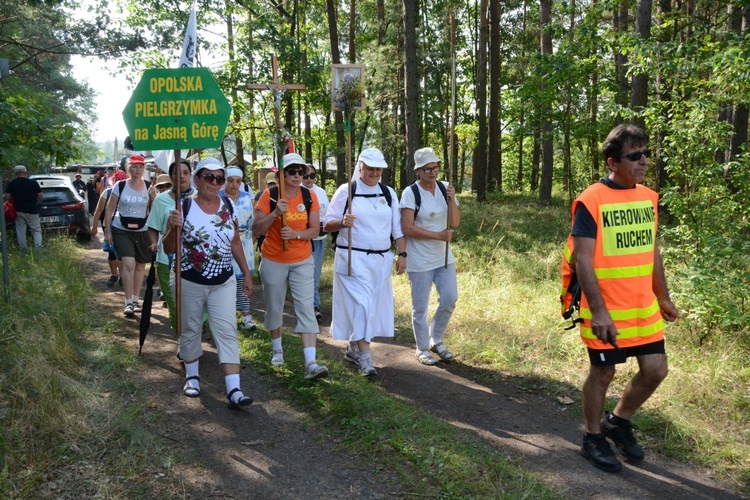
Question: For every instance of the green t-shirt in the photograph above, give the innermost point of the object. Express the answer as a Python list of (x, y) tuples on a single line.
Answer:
[(157, 219)]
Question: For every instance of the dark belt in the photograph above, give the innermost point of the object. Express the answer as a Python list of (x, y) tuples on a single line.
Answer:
[(368, 251)]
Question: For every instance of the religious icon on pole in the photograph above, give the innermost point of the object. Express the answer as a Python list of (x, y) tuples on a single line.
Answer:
[(348, 87)]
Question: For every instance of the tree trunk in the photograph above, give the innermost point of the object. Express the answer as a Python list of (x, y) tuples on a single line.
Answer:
[(545, 187), (620, 24), (664, 98), (480, 165), (411, 12), (639, 96), (522, 113), (236, 116), (535, 158), (494, 168), (341, 166)]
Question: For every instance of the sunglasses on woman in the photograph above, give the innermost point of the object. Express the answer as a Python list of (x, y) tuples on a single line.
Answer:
[(292, 171), (636, 155), (214, 179), (309, 176)]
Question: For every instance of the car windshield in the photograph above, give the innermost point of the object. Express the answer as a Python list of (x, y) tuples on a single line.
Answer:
[(58, 195)]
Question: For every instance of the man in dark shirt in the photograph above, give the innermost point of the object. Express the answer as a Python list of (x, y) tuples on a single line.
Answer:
[(80, 185), (25, 193)]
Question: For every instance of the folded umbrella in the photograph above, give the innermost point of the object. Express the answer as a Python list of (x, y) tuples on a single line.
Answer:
[(148, 300)]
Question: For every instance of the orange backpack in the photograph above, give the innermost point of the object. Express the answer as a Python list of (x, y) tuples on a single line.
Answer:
[(570, 292)]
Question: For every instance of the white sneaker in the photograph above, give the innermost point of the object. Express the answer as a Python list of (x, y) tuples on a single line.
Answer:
[(366, 368), (137, 307), (129, 310), (246, 323), (278, 358)]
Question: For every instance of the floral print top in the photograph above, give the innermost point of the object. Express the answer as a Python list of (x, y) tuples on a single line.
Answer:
[(207, 244)]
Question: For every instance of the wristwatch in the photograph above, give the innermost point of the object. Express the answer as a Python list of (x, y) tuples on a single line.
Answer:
[(402, 254), (297, 234)]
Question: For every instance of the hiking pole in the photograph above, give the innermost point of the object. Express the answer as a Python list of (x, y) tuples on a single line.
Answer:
[(178, 247), (348, 127), (453, 127)]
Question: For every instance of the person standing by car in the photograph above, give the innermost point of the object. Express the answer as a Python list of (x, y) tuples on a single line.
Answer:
[(207, 226), (293, 265), (319, 243), (363, 299), (80, 186), (125, 228), (25, 193)]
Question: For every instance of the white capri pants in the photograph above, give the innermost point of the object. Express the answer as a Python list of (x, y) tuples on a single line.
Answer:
[(219, 300)]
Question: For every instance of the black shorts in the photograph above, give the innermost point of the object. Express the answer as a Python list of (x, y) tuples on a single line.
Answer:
[(605, 357)]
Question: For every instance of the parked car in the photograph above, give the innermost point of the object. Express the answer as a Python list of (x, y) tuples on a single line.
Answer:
[(61, 207)]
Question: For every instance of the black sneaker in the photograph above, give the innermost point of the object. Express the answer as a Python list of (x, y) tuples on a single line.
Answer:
[(318, 314), (597, 450), (622, 435), (112, 280)]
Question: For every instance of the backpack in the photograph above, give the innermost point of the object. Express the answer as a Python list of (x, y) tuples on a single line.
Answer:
[(418, 197), (273, 192), (570, 292), (383, 189)]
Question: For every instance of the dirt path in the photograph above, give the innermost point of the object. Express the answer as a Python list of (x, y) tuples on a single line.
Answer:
[(270, 450)]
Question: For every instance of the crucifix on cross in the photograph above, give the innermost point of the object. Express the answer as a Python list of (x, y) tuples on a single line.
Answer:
[(278, 92)]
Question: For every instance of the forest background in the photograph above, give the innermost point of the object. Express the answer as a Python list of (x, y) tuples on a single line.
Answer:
[(538, 86)]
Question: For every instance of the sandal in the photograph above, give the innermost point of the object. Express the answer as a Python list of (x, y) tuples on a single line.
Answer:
[(425, 358), (243, 401), (441, 351), (189, 390), (278, 358)]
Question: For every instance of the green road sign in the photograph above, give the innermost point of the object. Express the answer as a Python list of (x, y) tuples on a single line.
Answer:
[(181, 108)]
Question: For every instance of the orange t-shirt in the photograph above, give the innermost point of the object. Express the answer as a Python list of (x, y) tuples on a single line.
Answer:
[(296, 218)]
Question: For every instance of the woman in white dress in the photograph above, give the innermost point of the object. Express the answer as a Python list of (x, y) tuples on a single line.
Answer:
[(363, 302)]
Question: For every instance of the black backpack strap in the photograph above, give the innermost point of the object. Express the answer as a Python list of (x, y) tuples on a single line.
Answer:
[(307, 199), (386, 193), (229, 205), (186, 204), (417, 199), (273, 193)]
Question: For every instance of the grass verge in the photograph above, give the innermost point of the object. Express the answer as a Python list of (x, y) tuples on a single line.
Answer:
[(69, 425)]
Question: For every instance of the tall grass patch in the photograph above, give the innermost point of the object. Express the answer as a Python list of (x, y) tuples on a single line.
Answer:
[(68, 423), (508, 255)]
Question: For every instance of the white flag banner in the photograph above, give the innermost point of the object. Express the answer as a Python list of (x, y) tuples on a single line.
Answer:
[(187, 58), (162, 159)]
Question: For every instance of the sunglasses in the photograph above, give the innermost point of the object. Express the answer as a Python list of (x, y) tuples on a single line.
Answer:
[(309, 176), (292, 171), (213, 179), (636, 155), (430, 170)]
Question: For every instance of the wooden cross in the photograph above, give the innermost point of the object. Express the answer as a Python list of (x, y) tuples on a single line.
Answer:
[(278, 92)]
